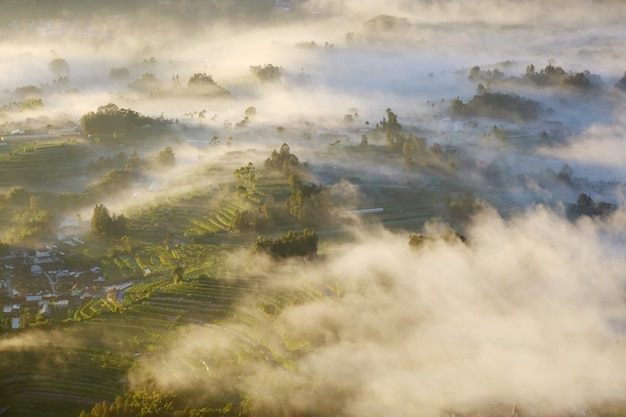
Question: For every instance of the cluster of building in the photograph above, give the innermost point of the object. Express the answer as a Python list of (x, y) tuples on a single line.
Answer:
[(37, 283)]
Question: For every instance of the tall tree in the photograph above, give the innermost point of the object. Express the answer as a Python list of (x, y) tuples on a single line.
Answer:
[(101, 221)]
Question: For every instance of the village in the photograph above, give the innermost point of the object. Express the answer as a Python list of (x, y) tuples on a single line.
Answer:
[(37, 286)]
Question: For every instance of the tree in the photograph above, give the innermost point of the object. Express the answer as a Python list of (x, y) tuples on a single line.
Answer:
[(167, 157), (585, 206), (203, 84), (267, 73), (246, 177), (462, 207), (59, 66), (101, 221), (283, 160), (179, 272), (289, 245), (147, 83), (109, 119), (309, 203)]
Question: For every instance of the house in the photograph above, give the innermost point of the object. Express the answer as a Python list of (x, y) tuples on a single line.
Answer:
[(7, 309), (45, 309), (16, 322), (61, 304), (36, 270), (86, 293), (32, 298), (62, 273)]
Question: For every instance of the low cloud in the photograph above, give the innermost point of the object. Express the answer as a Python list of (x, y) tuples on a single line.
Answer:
[(527, 313)]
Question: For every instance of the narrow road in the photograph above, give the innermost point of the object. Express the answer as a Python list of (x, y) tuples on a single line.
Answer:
[(9, 288), (51, 282)]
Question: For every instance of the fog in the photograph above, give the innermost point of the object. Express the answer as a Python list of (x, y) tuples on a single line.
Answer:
[(529, 312)]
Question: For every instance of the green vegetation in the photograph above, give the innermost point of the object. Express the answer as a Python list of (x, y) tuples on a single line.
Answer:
[(105, 224), (267, 73), (497, 106), (28, 104), (550, 76), (189, 11), (110, 119), (203, 84), (290, 244), (585, 206), (554, 75)]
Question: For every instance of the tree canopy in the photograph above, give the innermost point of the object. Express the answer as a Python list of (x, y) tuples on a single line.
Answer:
[(105, 224), (109, 118), (291, 244), (283, 161)]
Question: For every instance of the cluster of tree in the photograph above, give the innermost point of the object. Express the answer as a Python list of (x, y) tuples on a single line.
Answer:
[(390, 124), (28, 92), (147, 83), (111, 162), (28, 104), (479, 75), (462, 207), (111, 182), (306, 45), (497, 133), (550, 76), (267, 73), (283, 161), (246, 178), (103, 223), (392, 130), (291, 244), (386, 25), (414, 149), (309, 203), (203, 85), (110, 119), (23, 214), (59, 66), (585, 206), (250, 220), (449, 236), (554, 76), (153, 403), (497, 106), (167, 157)]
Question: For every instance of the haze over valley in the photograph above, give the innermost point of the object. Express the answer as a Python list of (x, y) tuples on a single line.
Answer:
[(312, 208)]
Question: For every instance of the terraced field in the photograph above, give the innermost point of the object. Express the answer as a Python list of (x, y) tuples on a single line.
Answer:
[(41, 165), (90, 361)]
